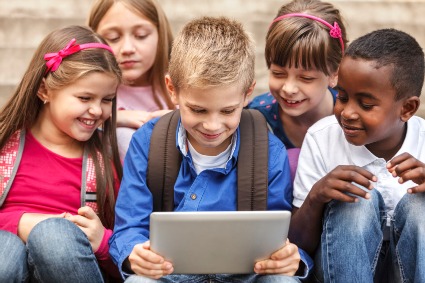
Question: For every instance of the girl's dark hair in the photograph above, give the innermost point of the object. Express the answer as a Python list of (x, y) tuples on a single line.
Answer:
[(303, 42)]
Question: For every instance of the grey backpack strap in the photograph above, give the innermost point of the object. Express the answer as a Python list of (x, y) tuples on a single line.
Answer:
[(164, 162), (253, 161)]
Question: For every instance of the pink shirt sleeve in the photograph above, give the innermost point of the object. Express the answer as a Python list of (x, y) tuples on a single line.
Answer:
[(9, 221), (105, 261)]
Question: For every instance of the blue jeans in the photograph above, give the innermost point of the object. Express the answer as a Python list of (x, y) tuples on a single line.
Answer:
[(216, 278), (13, 263), (56, 251), (352, 245)]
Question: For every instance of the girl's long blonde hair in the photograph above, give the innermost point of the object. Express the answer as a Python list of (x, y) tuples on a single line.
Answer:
[(155, 14)]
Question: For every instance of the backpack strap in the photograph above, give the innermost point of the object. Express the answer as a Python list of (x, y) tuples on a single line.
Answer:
[(164, 162), (253, 162), (10, 157)]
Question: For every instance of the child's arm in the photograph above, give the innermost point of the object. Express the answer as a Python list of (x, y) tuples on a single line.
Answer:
[(285, 261), (406, 167), (143, 261), (136, 118), (333, 186)]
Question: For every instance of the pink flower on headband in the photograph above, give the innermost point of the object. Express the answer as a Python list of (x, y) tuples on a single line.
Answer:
[(55, 59), (334, 32)]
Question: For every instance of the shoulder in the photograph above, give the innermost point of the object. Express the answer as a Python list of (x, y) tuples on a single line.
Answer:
[(261, 101), (325, 124)]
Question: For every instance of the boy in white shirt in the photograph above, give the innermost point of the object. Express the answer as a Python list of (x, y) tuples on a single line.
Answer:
[(361, 176)]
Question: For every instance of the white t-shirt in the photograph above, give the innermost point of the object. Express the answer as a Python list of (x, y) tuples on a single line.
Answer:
[(325, 147)]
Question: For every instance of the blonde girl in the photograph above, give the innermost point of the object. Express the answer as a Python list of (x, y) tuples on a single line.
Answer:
[(140, 35)]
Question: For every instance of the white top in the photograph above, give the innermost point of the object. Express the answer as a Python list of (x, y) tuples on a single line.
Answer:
[(202, 162), (325, 147)]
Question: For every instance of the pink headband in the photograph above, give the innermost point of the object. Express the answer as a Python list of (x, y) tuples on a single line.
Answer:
[(335, 30), (55, 59)]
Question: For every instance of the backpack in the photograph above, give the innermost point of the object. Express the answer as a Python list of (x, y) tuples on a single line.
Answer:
[(164, 161)]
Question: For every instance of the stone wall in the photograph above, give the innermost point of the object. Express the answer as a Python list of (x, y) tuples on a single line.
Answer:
[(23, 24)]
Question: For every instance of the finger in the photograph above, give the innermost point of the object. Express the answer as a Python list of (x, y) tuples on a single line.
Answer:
[(417, 189), (416, 175), (357, 175), (398, 160), (79, 220), (346, 192), (286, 267), (88, 212)]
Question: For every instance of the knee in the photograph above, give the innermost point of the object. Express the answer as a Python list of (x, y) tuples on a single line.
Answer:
[(359, 214), (14, 258), (409, 213), (51, 239)]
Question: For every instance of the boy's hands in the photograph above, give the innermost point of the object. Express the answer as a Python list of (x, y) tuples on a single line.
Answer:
[(284, 261), (337, 183), (406, 167), (145, 262), (88, 221)]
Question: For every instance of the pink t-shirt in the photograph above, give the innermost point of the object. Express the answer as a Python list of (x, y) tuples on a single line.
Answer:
[(134, 98), (138, 98), (38, 188)]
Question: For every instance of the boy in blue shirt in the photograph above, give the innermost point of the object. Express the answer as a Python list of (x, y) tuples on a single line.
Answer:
[(361, 178), (211, 77)]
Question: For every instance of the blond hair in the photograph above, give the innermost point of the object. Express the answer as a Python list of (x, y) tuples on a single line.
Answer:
[(210, 52), (23, 108), (303, 42), (155, 14)]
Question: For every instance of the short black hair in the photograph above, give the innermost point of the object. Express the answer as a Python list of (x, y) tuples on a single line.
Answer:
[(396, 48)]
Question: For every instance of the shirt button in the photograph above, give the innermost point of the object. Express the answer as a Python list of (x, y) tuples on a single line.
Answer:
[(193, 196)]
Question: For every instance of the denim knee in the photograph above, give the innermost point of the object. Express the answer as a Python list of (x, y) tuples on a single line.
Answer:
[(356, 217), (59, 251), (14, 258), (409, 214)]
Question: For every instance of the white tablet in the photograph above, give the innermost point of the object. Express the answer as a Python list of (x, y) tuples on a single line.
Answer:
[(217, 242)]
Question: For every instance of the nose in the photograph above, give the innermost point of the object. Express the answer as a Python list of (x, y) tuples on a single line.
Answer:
[(95, 109), (289, 86), (349, 112), (127, 46), (212, 124)]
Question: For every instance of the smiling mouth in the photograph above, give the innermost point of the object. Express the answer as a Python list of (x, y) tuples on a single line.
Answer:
[(87, 121), (291, 102)]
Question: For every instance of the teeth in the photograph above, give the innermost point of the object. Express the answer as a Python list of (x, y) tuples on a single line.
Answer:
[(293, 101), (88, 122)]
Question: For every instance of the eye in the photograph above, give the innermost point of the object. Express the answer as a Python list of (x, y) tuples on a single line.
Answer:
[(141, 36), (197, 110), (307, 79), (278, 74), (366, 106), (342, 98), (84, 98), (108, 99), (228, 111)]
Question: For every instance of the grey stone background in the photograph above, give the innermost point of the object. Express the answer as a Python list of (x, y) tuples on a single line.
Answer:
[(24, 23)]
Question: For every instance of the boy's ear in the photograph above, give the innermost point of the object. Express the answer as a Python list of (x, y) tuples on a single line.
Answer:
[(333, 79), (249, 93), (171, 90), (409, 108), (42, 92)]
